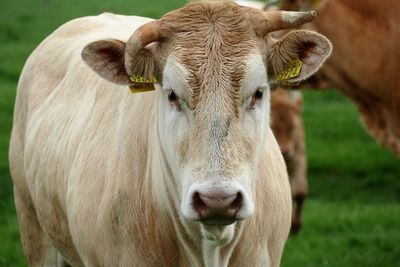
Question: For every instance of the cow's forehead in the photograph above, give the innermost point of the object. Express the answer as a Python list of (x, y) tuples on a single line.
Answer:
[(212, 43), (228, 83)]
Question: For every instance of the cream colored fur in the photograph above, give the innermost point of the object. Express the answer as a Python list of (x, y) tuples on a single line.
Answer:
[(92, 183)]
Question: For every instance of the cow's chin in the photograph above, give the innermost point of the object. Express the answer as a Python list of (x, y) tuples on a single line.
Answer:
[(220, 234)]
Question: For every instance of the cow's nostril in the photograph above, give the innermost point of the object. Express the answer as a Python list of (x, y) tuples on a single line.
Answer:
[(198, 204), (237, 203)]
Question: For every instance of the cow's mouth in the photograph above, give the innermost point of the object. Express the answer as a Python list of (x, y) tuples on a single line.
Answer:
[(218, 221)]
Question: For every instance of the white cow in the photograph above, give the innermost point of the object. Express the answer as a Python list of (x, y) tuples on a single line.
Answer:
[(187, 175)]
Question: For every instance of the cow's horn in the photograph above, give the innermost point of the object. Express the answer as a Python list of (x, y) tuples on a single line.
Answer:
[(144, 35), (280, 20)]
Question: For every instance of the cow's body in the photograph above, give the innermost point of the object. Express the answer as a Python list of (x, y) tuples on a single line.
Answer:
[(287, 126), (188, 175), (364, 63), (89, 173)]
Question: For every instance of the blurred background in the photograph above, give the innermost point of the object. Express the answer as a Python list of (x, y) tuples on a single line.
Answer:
[(352, 215)]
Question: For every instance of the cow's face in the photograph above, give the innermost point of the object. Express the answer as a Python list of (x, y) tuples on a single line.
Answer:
[(214, 61), (217, 113)]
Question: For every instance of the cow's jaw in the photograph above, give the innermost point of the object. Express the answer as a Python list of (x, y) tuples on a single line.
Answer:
[(204, 173)]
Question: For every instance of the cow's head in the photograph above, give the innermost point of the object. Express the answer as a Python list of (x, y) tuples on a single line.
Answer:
[(214, 62)]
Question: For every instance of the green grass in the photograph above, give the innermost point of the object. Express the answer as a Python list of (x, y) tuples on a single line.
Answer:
[(346, 233), (352, 217)]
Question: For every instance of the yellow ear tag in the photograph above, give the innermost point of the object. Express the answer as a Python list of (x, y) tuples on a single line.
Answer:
[(142, 84), (291, 70)]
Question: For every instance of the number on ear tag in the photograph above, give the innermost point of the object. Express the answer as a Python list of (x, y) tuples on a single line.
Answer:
[(142, 84), (291, 70)]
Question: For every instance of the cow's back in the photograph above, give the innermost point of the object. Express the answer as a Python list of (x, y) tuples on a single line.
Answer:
[(364, 62), (365, 36)]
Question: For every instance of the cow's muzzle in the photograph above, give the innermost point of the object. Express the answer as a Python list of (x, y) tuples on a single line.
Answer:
[(217, 208), (217, 203)]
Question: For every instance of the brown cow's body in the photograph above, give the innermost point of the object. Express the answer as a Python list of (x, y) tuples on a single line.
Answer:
[(287, 125), (365, 60)]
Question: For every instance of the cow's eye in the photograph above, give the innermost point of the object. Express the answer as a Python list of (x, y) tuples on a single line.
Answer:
[(174, 100), (172, 97), (258, 95)]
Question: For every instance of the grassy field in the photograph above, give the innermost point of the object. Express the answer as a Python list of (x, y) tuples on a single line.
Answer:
[(352, 217)]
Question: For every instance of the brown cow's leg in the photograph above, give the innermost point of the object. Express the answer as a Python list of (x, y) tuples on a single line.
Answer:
[(296, 218)]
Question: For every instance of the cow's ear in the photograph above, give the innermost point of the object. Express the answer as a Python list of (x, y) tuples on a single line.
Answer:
[(106, 57), (298, 55)]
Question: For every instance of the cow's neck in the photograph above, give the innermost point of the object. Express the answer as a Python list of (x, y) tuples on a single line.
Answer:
[(196, 245)]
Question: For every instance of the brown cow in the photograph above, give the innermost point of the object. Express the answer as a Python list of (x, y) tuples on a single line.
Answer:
[(287, 125), (364, 64)]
